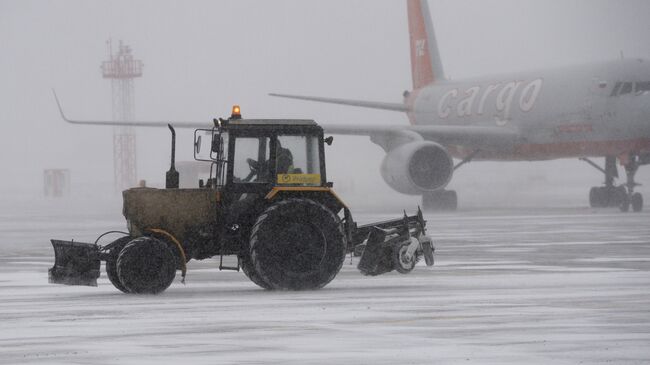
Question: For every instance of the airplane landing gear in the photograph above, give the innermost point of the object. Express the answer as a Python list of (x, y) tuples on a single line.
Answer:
[(446, 200), (622, 196), (631, 198), (443, 200), (607, 196)]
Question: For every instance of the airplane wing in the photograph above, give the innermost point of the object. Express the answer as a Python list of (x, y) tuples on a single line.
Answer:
[(364, 104), (470, 136), (157, 124)]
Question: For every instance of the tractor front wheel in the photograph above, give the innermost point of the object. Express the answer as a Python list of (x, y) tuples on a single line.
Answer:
[(111, 262), (146, 266)]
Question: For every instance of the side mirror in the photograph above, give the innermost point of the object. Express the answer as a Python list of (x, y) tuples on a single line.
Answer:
[(203, 144), (329, 140)]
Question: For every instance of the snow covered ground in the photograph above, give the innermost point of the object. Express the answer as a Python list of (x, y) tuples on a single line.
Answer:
[(553, 285)]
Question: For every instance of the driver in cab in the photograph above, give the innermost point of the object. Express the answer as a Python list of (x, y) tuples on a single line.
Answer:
[(284, 165)]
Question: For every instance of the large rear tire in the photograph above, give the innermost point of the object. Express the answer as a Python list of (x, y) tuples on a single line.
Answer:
[(146, 266), (249, 270), (297, 244)]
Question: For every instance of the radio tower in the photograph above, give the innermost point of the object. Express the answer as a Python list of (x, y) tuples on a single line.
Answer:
[(121, 69)]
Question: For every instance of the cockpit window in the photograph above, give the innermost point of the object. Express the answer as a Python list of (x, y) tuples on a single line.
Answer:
[(626, 88), (642, 87)]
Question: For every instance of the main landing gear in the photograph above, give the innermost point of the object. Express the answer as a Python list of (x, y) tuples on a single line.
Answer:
[(442, 200), (610, 195), (445, 200)]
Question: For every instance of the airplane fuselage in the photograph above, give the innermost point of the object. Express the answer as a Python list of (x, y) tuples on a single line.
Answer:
[(582, 111)]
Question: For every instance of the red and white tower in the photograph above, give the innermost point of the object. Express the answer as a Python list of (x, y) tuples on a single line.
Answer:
[(121, 68)]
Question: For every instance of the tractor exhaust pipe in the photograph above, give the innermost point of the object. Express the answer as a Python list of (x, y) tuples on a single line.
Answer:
[(171, 180)]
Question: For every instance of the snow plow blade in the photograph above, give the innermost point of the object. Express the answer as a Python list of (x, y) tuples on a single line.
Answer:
[(75, 263)]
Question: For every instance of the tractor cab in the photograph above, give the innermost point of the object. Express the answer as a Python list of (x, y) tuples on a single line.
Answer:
[(263, 157)]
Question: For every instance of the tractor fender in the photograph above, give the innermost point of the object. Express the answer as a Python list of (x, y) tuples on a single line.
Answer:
[(325, 195)]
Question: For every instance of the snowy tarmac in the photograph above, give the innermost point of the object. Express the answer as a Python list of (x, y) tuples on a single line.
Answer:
[(510, 286)]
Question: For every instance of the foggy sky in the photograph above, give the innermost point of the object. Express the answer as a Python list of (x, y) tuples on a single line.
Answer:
[(200, 57)]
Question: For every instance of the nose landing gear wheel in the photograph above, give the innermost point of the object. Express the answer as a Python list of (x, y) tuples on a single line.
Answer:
[(637, 202), (624, 204)]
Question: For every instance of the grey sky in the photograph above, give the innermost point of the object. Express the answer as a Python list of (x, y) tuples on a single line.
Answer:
[(202, 56)]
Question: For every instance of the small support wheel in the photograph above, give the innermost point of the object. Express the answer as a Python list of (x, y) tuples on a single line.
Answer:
[(146, 266), (636, 200), (402, 261), (427, 252)]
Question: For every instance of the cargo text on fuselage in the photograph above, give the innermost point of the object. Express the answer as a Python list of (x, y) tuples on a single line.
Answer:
[(472, 100)]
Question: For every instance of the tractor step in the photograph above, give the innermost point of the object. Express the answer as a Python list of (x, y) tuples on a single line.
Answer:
[(75, 263)]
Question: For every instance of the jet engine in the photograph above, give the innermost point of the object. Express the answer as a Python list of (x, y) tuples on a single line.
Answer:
[(418, 167)]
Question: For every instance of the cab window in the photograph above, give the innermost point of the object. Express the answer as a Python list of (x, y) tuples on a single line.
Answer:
[(298, 160), (251, 160)]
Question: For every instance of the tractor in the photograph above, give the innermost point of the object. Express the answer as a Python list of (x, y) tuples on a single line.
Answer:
[(266, 201)]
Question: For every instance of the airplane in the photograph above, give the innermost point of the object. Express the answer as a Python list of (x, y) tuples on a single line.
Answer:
[(584, 111)]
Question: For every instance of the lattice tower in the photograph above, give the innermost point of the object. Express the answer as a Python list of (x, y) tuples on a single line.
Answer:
[(121, 68)]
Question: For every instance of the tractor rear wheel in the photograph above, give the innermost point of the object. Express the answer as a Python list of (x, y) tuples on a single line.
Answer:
[(111, 262), (146, 266), (297, 244)]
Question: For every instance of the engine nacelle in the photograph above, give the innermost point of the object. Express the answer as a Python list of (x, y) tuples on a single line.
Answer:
[(417, 168)]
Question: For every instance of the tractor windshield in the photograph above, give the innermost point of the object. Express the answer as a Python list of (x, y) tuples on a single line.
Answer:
[(250, 162), (298, 160)]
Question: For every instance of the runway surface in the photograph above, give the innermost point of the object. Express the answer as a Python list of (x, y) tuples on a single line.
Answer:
[(510, 286)]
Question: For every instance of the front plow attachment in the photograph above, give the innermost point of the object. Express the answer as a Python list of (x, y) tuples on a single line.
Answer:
[(75, 263)]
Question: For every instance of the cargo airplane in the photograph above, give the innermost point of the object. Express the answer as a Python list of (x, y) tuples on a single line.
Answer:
[(585, 111)]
